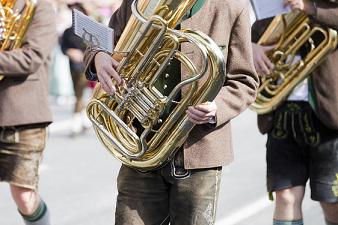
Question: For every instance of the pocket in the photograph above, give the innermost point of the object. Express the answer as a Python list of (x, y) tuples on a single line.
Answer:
[(34, 139)]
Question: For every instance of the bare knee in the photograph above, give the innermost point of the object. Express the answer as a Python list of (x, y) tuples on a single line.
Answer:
[(290, 197), (289, 203), (330, 211), (27, 200)]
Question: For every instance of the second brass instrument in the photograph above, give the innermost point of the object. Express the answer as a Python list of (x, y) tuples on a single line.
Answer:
[(300, 47), (14, 24), (132, 124)]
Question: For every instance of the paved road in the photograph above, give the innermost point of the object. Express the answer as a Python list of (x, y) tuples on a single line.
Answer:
[(78, 179)]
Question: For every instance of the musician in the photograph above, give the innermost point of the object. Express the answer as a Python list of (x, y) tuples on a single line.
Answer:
[(302, 140), (185, 191), (25, 114)]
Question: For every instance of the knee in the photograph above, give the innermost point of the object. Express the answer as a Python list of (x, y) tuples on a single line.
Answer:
[(288, 198), (25, 199), (330, 211)]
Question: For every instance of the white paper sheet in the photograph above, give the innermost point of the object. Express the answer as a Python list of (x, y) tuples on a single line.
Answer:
[(93, 33), (269, 8)]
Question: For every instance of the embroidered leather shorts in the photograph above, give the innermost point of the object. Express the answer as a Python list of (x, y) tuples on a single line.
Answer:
[(301, 148), (21, 151), (171, 194)]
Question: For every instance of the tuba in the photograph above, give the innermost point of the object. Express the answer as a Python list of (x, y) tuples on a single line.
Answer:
[(14, 24), (300, 47), (142, 125)]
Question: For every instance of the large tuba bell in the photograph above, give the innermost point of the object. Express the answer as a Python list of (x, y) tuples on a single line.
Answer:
[(14, 24), (300, 46), (134, 124)]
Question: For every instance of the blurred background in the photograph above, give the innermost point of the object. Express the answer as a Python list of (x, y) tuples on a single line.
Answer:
[(78, 176)]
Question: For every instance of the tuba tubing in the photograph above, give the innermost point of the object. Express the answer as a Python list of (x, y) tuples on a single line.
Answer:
[(151, 43), (292, 32)]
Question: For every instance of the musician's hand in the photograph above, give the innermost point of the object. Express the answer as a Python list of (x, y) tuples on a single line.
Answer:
[(262, 63), (106, 68), (203, 113), (305, 5)]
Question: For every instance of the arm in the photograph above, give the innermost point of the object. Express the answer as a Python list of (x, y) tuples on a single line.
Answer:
[(242, 81), (321, 11), (38, 44), (117, 22), (70, 46), (327, 14)]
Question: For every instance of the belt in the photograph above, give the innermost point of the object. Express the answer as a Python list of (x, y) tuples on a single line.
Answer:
[(24, 126)]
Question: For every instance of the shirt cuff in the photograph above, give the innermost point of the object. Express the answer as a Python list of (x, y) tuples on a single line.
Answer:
[(91, 74), (213, 120)]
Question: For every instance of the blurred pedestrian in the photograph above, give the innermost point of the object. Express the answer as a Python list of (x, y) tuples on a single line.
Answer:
[(74, 48), (61, 85), (25, 112)]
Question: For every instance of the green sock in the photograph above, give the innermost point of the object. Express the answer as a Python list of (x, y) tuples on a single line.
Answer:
[(281, 222), (39, 217), (330, 223)]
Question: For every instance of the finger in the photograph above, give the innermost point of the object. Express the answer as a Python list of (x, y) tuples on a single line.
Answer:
[(204, 108), (268, 63), (197, 122), (107, 82), (268, 48), (194, 121), (105, 87), (257, 67), (197, 112), (113, 74), (115, 63), (263, 68), (201, 119)]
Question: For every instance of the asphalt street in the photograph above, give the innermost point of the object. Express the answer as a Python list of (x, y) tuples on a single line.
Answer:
[(78, 179)]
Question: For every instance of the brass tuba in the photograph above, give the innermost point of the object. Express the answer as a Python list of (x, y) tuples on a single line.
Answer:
[(300, 47), (14, 24), (133, 124)]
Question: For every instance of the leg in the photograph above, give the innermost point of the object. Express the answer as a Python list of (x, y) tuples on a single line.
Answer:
[(330, 212), (287, 174), (324, 176), (20, 159), (142, 198), (27, 200), (289, 204), (193, 199), (79, 84)]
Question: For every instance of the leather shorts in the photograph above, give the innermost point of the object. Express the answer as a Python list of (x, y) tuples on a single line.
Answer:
[(21, 151)]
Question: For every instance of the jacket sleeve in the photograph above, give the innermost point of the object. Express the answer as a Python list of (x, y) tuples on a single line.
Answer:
[(327, 14), (242, 81), (38, 43), (258, 29), (117, 22)]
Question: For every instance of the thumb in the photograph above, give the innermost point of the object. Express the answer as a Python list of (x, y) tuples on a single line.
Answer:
[(268, 47)]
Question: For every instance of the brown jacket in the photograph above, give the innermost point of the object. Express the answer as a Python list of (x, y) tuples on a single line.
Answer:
[(227, 23), (325, 76), (24, 91)]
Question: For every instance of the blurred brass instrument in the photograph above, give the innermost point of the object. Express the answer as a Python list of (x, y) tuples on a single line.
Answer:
[(132, 124), (14, 24), (300, 47)]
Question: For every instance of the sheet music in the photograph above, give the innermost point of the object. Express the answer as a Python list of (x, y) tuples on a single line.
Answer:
[(269, 8), (93, 32)]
